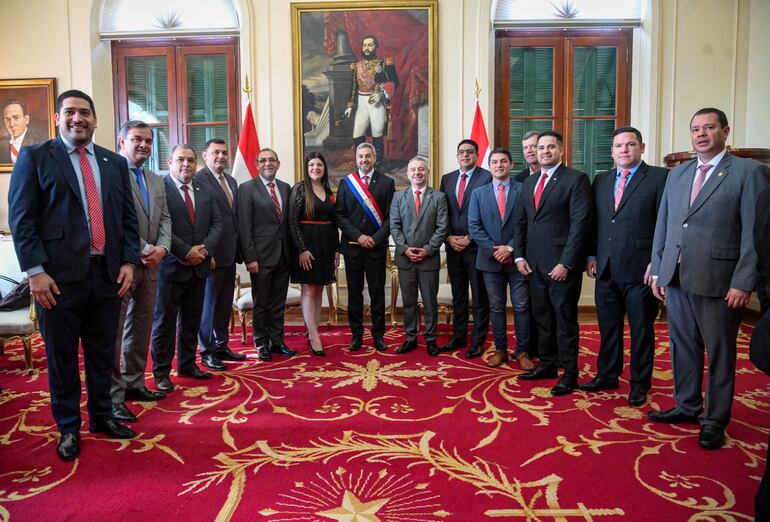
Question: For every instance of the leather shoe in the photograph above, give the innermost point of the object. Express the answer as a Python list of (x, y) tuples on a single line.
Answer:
[(69, 446), (525, 363), (165, 385), (407, 347), (283, 350), (567, 384), (380, 346), (144, 395), (121, 413), (598, 383), (264, 353), (226, 354), (672, 416), (211, 362), (355, 344), (454, 344), (498, 358), (433, 349), (474, 351), (112, 429), (711, 436), (194, 373), (541, 372), (637, 397)]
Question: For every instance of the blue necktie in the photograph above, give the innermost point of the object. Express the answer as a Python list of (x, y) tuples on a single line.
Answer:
[(142, 187)]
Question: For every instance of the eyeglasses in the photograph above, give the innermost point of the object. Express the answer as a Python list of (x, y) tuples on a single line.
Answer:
[(267, 160), (463, 152)]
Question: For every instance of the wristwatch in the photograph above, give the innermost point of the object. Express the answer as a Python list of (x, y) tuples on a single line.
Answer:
[(510, 249)]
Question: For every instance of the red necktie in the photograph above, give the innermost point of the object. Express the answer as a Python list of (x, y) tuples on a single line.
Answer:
[(188, 203), (365, 179), (540, 187), (417, 202), (461, 189), (95, 216), (274, 196), (700, 179), (621, 187), (501, 200)]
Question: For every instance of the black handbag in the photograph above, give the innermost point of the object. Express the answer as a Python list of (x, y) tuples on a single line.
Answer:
[(18, 297)]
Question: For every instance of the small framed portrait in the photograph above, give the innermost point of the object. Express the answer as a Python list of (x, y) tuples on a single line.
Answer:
[(28, 108), (365, 72)]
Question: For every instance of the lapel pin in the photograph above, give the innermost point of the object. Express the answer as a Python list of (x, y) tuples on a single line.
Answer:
[(720, 174), (104, 159)]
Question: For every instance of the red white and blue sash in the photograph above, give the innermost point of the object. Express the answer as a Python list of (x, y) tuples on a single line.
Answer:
[(362, 194)]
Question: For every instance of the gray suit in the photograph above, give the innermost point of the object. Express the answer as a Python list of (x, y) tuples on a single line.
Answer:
[(700, 252), (138, 304), (426, 230)]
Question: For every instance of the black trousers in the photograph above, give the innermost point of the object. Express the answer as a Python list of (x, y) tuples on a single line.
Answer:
[(462, 274), (613, 301), (217, 309), (762, 499), (268, 292), (373, 268), (555, 303), (86, 312)]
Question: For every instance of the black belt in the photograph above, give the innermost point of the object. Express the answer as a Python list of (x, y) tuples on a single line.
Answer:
[(97, 260)]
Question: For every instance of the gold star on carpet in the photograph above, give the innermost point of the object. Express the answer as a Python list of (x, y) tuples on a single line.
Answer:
[(353, 510)]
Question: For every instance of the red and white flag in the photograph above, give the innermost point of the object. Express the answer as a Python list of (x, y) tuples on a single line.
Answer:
[(245, 163), (479, 135)]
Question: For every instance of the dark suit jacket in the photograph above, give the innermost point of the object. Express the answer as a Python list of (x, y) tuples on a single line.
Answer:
[(184, 234), (32, 138), (228, 250), (522, 175), (558, 231), (353, 221), (623, 238), (48, 218), (264, 236), (760, 339), (488, 230), (458, 217)]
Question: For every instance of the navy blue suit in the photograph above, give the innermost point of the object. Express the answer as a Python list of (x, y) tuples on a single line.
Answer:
[(49, 226)]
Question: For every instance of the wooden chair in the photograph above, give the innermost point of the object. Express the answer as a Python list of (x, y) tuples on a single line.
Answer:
[(22, 323)]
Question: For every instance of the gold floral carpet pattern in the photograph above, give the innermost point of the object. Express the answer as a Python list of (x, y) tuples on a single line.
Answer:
[(382, 437)]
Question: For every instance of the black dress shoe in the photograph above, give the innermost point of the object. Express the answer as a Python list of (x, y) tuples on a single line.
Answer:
[(165, 385), (211, 362), (355, 344), (711, 436), (454, 344), (69, 446), (432, 348), (672, 416), (541, 372), (121, 413), (112, 429), (226, 354), (598, 383), (567, 384), (637, 397), (144, 395), (283, 350), (407, 347), (474, 351), (264, 353), (195, 373), (380, 346)]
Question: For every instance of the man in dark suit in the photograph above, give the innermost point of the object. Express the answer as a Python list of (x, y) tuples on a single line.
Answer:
[(363, 214), (626, 201), (418, 223), (220, 285), (138, 305), (704, 265), (552, 223), (461, 252), (263, 218), (491, 224), (75, 234), (16, 120), (196, 227)]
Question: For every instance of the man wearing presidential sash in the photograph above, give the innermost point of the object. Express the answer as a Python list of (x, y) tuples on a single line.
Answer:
[(363, 210)]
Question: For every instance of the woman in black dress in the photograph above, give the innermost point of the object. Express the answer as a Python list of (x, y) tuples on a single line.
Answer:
[(314, 231)]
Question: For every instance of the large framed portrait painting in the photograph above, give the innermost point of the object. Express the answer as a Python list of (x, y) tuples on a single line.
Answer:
[(28, 116), (365, 72)]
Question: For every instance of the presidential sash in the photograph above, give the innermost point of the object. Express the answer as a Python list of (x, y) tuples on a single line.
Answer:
[(364, 197)]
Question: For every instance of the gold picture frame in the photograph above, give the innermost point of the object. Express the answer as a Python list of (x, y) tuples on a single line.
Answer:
[(27, 108), (398, 85)]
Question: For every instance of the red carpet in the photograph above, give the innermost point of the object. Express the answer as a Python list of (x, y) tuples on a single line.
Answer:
[(369, 437)]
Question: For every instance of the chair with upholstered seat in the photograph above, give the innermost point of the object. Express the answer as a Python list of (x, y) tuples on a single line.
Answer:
[(15, 323)]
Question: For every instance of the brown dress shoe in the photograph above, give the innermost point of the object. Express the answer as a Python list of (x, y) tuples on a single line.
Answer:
[(498, 358), (525, 363)]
